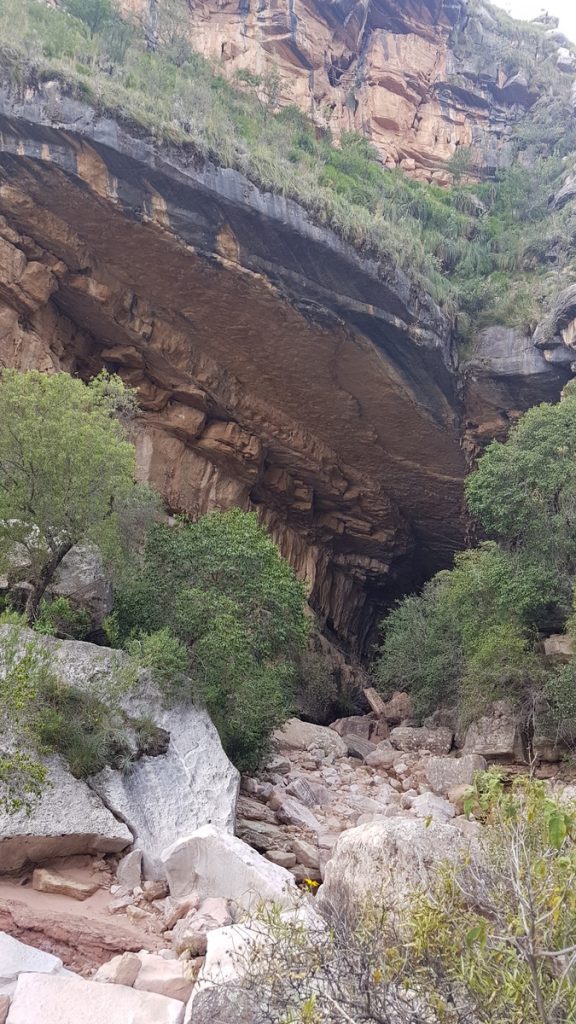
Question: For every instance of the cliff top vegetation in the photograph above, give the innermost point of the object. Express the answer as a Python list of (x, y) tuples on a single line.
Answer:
[(488, 252)]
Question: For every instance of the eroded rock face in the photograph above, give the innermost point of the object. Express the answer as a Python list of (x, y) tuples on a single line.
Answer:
[(414, 77)]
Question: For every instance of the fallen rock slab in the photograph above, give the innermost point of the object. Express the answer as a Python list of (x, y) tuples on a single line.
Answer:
[(211, 862), (16, 957), (432, 807), (45, 999), (496, 736), (121, 970), (44, 880), (165, 977), (67, 819)]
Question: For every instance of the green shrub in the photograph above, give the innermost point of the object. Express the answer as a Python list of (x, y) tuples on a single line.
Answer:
[(214, 600), (56, 617)]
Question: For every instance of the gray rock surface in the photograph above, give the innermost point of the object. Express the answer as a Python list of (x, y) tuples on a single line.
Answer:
[(67, 819), (443, 773), (213, 863), (16, 957), (408, 738), (496, 735), (297, 735), (83, 579), (388, 857)]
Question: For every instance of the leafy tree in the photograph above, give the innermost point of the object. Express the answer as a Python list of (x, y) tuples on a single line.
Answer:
[(66, 472), (219, 590), (524, 490)]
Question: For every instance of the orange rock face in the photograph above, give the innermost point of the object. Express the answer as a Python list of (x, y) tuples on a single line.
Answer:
[(385, 68)]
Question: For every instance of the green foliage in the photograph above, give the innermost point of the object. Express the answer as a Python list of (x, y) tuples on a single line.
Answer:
[(56, 617), (22, 781), (214, 599), (467, 639), (502, 926), (66, 469)]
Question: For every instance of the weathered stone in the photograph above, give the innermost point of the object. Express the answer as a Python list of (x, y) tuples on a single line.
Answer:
[(174, 909), (121, 970), (129, 869), (359, 747), (375, 701), (437, 741), (306, 854), (354, 725), (435, 808), (496, 735), (390, 858), (297, 735), (4, 1007), (292, 812), (253, 810), (308, 792), (281, 857), (67, 819), (213, 863), (398, 708), (443, 773), (44, 880), (165, 977), (457, 796), (260, 835), (45, 999), (83, 579), (559, 648), (155, 891), (384, 756), (17, 958)]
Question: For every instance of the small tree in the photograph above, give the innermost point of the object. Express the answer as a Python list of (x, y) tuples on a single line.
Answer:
[(66, 471)]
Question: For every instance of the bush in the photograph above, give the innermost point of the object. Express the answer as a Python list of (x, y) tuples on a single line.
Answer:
[(215, 598)]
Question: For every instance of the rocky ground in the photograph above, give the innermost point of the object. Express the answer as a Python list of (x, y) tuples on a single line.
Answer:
[(332, 810)]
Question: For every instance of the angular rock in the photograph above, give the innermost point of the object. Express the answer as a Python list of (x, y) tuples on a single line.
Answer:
[(121, 970), (292, 812), (435, 808), (309, 793), (384, 756), (443, 773), (283, 858), (44, 880), (129, 870), (297, 735), (213, 863), (154, 891), (17, 958), (496, 735), (253, 810), (354, 725), (559, 648), (45, 999), (68, 819), (398, 708), (174, 910), (260, 835), (165, 977), (457, 796), (306, 854), (83, 579), (437, 741), (4, 1007), (389, 857), (359, 747)]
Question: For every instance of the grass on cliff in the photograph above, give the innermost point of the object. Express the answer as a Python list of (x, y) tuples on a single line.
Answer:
[(478, 250)]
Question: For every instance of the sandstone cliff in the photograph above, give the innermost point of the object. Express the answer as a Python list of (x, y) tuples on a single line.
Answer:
[(276, 367), (422, 79)]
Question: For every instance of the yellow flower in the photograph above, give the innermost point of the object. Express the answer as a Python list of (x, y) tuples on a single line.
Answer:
[(311, 883)]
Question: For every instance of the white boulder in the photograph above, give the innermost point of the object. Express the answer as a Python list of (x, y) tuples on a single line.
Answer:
[(45, 999), (17, 958), (212, 862), (387, 859), (443, 773)]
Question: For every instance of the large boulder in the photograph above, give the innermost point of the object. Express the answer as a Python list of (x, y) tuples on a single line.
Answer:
[(407, 738), (211, 862), (49, 999), (496, 735), (297, 735), (155, 801), (67, 819), (387, 859), (443, 773), (17, 958), (83, 579), (167, 797)]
